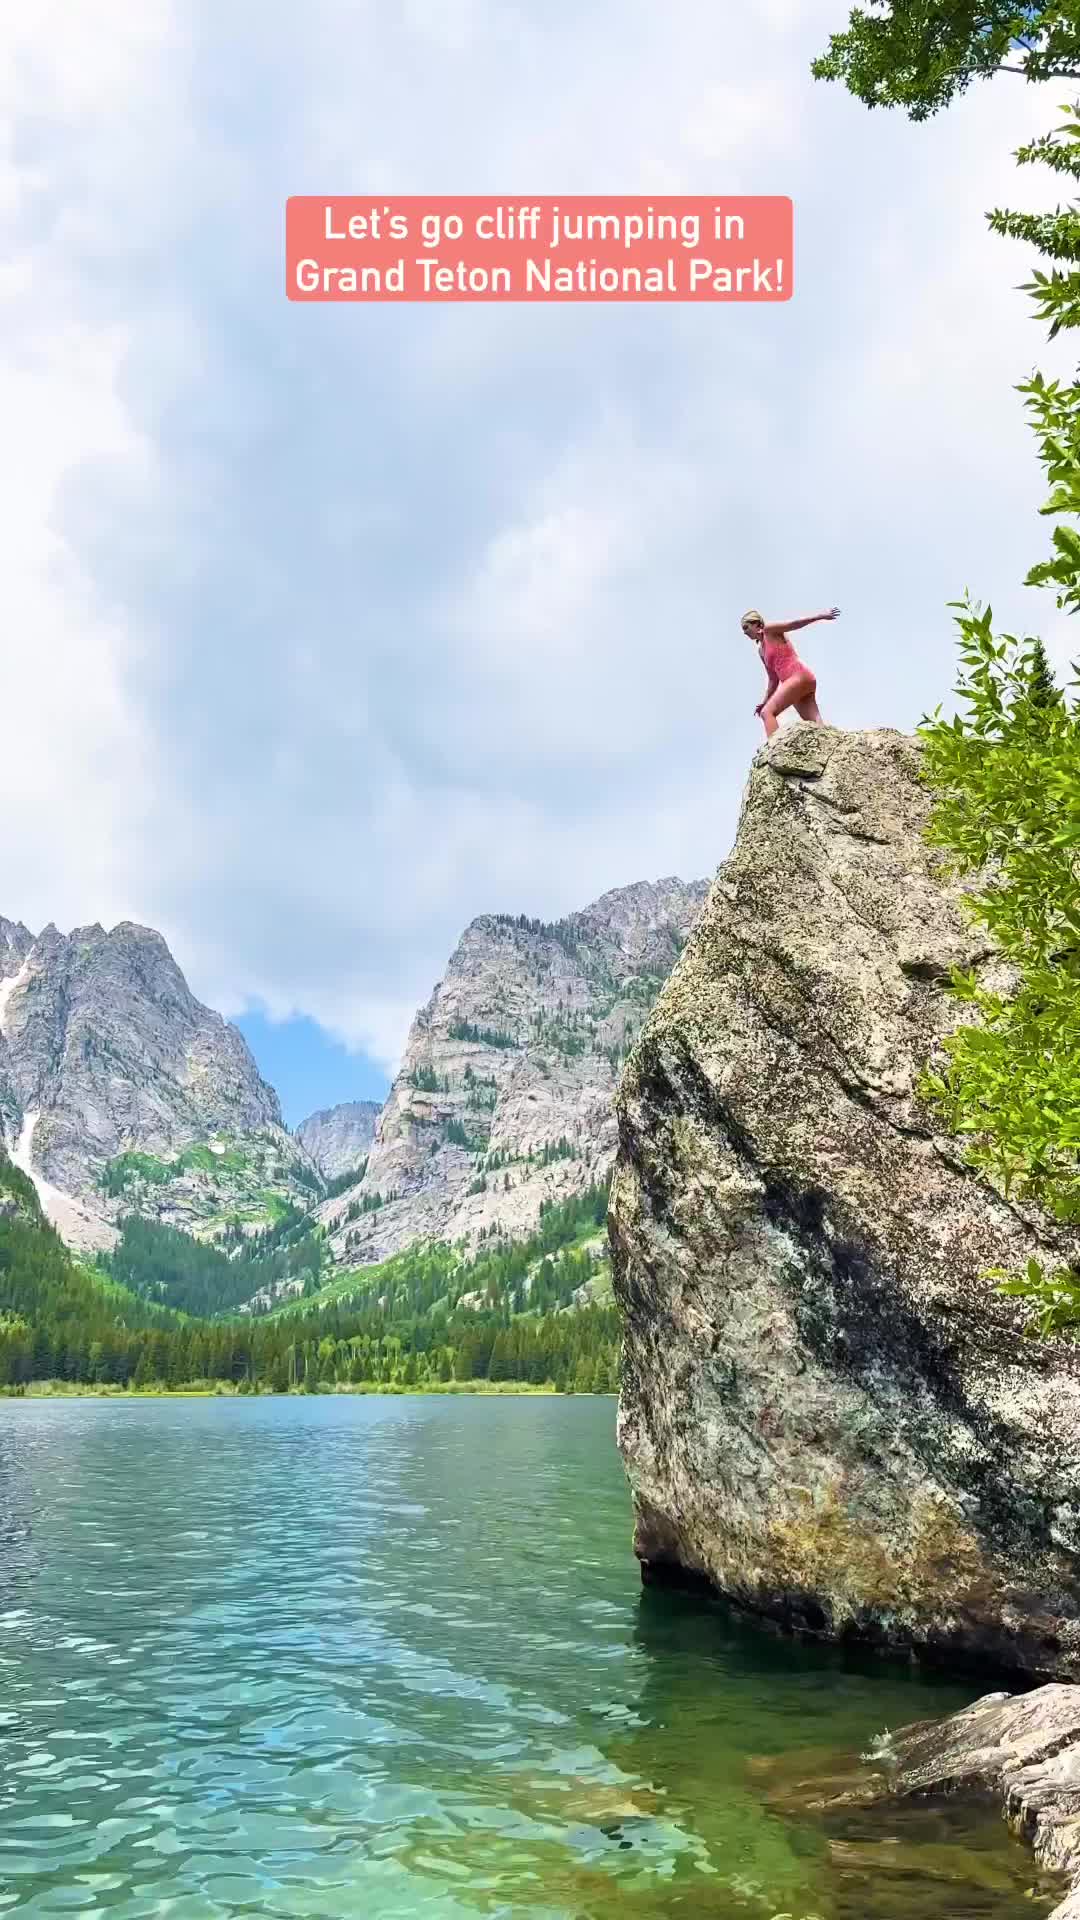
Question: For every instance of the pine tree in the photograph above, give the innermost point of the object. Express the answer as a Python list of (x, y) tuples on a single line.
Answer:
[(1043, 688)]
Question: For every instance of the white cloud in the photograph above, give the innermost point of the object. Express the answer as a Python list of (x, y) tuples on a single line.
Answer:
[(77, 90), (335, 627)]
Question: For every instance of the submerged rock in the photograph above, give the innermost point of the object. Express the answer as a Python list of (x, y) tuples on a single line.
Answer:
[(1020, 1752), (1025, 1750), (828, 1412)]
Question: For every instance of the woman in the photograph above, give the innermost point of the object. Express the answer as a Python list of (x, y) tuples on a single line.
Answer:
[(791, 682)]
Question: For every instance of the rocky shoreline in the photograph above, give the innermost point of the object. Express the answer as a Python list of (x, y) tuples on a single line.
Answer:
[(1023, 1749)]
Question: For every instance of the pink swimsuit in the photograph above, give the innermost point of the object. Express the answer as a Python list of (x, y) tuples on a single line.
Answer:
[(780, 660)]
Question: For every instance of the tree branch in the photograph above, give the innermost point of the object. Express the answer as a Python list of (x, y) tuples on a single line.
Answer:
[(1061, 73)]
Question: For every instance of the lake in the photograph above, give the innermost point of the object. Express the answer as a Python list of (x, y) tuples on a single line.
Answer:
[(386, 1657)]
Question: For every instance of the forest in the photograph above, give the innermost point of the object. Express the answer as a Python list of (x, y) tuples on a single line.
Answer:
[(431, 1316)]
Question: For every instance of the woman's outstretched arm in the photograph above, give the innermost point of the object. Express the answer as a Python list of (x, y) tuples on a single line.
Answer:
[(805, 620)]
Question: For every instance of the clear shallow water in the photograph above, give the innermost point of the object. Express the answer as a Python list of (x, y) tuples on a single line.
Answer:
[(391, 1657)]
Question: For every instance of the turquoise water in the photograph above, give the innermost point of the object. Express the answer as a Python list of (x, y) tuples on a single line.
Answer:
[(391, 1657)]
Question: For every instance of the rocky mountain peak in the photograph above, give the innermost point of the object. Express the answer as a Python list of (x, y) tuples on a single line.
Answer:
[(15, 943), (338, 1138), (111, 1072), (503, 1102)]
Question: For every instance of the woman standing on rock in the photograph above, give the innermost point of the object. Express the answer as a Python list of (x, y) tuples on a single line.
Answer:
[(791, 682)]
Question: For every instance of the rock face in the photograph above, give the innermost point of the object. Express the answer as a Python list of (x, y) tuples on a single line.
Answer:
[(504, 1097), (119, 1090), (338, 1138), (1024, 1750), (827, 1412)]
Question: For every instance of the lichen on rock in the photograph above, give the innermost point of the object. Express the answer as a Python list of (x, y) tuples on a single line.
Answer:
[(827, 1410)]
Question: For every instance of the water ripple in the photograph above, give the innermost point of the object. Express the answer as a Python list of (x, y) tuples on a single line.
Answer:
[(354, 1656)]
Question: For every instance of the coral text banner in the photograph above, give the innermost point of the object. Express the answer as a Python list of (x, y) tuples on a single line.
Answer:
[(569, 248)]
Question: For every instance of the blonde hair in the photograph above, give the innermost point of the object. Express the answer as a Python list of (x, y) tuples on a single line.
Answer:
[(753, 618)]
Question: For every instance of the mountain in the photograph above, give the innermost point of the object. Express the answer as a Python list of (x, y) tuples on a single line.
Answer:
[(131, 1103), (828, 1410), (57, 1319), (209, 1278), (428, 1318), (503, 1102), (120, 1091), (338, 1138), (121, 1094)]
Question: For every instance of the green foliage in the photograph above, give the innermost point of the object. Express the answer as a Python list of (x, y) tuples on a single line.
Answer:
[(426, 1080), (562, 932), (342, 1181), (1054, 405), (56, 1320), (130, 1169), (1055, 409), (919, 54), (415, 1304), (18, 1194), (1054, 1298), (643, 988), (200, 1158), (367, 1203), (1043, 689), (400, 1325), (1056, 295), (1005, 770), (481, 1036), (567, 1033), (560, 1149), (162, 1263), (1006, 779), (275, 1207), (129, 1172)]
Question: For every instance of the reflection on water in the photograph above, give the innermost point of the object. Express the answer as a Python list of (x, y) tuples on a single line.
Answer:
[(390, 1657)]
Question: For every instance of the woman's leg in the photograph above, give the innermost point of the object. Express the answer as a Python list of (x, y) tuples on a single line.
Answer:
[(808, 709), (797, 692)]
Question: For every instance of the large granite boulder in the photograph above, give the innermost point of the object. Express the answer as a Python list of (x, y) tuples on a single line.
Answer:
[(828, 1411)]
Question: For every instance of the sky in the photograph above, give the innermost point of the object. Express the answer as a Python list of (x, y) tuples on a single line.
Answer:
[(329, 628)]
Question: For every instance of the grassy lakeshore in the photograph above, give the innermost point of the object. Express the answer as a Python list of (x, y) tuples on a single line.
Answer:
[(220, 1390)]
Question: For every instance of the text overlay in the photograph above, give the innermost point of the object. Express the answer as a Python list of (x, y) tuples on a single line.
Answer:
[(574, 248)]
